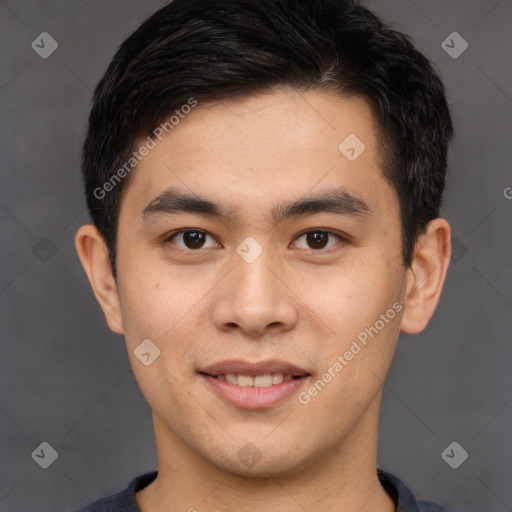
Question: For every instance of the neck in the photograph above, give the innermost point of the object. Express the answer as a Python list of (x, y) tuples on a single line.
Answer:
[(342, 478)]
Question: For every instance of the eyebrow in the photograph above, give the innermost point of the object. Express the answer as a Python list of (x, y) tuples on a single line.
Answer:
[(338, 201)]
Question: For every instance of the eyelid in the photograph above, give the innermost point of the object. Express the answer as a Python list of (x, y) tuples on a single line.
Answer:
[(324, 230)]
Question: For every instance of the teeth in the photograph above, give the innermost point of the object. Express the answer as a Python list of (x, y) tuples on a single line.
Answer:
[(245, 380), (232, 379), (277, 378), (260, 381)]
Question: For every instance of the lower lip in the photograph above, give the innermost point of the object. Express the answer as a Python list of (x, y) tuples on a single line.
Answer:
[(249, 397)]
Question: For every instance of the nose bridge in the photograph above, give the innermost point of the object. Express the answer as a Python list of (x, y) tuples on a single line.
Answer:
[(253, 282), (252, 297)]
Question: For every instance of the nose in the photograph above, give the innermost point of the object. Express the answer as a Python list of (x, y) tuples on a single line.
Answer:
[(255, 299)]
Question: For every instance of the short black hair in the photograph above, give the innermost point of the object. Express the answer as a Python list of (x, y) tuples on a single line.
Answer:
[(209, 50)]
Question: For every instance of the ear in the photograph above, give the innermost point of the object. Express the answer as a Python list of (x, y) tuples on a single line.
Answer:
[(93, 254), (426, 275)]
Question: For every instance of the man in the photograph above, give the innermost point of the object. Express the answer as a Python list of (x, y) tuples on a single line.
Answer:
[(265, 179)]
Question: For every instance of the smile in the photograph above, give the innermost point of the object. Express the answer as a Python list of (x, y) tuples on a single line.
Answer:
[(254, 385)]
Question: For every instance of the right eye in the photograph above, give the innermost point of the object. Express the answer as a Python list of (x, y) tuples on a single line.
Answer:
[(191, 239)]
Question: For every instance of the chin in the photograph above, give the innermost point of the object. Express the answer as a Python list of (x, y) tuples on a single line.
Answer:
[(249, 461)]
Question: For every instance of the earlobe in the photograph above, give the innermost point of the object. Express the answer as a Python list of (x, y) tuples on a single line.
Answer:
[(426, 275), (93, 255)]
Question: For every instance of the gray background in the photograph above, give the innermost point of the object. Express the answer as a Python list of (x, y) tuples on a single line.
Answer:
[(65, 378)]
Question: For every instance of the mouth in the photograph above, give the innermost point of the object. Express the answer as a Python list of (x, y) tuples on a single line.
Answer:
[(254, 385), (265, 380)]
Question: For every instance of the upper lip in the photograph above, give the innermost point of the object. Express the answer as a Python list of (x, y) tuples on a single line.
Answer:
[(241, 367)]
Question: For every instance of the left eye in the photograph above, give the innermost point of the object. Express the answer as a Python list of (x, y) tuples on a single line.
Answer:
[(318, 239)]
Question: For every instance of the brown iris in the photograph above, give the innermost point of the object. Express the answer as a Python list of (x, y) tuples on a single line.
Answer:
[(194, 239), (317, 239)]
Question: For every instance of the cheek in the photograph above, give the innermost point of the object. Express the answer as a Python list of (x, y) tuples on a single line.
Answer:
[(361, 307), (159, 301), (169, 311), (354, 296)]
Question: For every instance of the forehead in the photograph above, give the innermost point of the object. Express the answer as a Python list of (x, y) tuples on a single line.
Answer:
[(278, 144), (277, 121)]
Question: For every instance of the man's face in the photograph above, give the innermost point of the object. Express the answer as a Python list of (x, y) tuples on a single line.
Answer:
[(254, 286)]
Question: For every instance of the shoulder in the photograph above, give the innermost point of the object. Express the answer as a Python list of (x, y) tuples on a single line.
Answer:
[(123, 501), (428, 506), (403, 496), (102, 505)]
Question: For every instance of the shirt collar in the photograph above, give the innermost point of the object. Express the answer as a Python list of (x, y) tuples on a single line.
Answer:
[(397, 490)]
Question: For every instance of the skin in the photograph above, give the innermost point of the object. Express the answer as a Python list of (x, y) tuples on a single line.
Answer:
[(297, 302)]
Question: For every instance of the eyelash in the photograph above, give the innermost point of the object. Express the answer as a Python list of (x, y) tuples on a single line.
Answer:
[(344, 239)]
